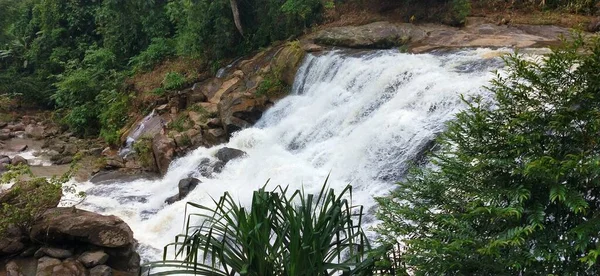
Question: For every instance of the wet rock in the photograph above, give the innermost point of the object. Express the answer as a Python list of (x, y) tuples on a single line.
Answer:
[(34, 131), (12, 241), (12, 269), (163, 149), (101, 270), (110, 177), (64, 160), (215, 136), (19, 160), (57, 253), (240, 110), (92, 259), (62, 225), (114, 162), (6, 136), (29, 252), (46, 266), (185, 186), (19, 148), (227, 154), (4, 159), (207, 167), (69, 268), (123, 259)]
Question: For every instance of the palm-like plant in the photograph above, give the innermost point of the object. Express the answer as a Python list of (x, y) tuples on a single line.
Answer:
[(300, 234)]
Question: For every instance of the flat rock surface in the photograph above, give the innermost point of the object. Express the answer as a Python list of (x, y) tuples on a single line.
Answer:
[(425, 37)]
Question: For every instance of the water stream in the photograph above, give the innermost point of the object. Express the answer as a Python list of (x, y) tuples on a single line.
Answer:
[(362, 117)]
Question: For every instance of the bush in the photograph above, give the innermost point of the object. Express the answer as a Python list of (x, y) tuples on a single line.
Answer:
[(516, 184), (280, 234), (159, 50), (173, 81), (114, 116)]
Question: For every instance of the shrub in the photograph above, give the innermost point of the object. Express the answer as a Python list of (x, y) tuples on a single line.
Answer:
[(516, 183), (173, 81), (159, 50), (143, 148), (281, 233), (114, 116)]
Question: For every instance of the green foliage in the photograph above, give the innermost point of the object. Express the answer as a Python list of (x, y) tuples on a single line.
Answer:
[(281, 233), (181, 124), (113, 116), (143, 148), (27, 199), (173, 81), (515, 188), (272, 86), (460, 10), (159, 49)]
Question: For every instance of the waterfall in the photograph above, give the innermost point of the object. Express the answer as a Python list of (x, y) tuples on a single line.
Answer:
[(360, 117)]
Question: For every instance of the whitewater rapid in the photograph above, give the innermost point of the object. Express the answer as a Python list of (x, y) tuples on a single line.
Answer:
[(360, 117)]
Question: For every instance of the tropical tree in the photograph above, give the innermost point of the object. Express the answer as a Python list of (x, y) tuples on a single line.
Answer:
[(515, 188), (298, 234)]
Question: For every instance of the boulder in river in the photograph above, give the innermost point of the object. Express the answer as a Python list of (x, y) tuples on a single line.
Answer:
[(19, 160), (227, 154), (63, 225), (185, 186)]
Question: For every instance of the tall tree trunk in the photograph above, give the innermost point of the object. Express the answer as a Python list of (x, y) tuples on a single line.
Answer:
[(236, 16)]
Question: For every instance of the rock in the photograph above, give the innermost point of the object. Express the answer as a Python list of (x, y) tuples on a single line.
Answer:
[(378, 35), (227, 154), (19, 160), (207, 167), (34, 131), (6, 136), (69, 267), (287, 61), (115, 161), (240, 110), (62, 225), (311, 47), (4, 159), (225, 88), (29, 252), (57, 253), (123, 259), (215, 136), (594, 25), (19, 148), (12, 269), (185, 186), (12, 241), (101, 270), (64, 160), (214, 123), (46, 266), (92, 259), (197, 118), (110, 177), (70, 149), (163, 149), (16, 127)]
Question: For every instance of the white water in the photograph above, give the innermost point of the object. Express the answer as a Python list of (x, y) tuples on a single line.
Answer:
[(361, 117)]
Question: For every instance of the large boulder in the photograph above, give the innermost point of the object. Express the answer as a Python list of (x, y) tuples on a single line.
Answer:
[(227, 154), (65, 225), (92, 259), (185, 186), (163, 149), (12, 241), (378, 35)]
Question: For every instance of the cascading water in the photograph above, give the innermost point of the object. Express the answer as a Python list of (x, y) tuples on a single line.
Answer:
[(360, 117), (152, 123)]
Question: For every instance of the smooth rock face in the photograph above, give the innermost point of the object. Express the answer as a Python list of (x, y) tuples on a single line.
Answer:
[(62, 225), (91, 259), (101, 270), (227, 154), (163, 149), (378, 35)]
